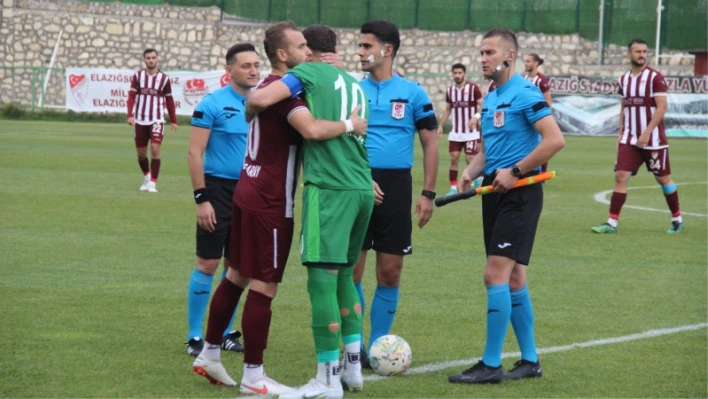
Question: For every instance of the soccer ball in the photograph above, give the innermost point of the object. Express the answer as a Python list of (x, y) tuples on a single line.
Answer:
[(390, 355)]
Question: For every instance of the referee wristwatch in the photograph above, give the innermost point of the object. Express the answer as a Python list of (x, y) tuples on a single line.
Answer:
[(516, 171), (428, 194)]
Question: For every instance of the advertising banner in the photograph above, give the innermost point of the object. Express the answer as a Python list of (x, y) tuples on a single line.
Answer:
[(591, 106)]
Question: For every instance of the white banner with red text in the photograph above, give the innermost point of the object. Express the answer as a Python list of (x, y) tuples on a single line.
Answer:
[(588, 105), (106, 90)]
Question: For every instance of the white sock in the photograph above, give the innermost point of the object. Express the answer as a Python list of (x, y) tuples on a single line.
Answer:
[(612, 222), (253, 372), (328, 374), (212, 352), (453, 187), (352, 356), (677, 219)]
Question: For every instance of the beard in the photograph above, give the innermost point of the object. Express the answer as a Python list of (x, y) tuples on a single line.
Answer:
[(458, 81), (638, 63)]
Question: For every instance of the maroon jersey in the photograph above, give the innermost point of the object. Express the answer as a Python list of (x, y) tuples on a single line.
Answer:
[(149, 96), (463, 106), (638, 97), (492, 86), (539, 81), (270, 171)]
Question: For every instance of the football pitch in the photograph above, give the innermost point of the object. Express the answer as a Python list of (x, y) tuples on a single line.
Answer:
[(94, 277)]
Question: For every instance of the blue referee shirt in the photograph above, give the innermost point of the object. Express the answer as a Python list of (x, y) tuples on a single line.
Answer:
[(508, 115), (224, 113), (395, 105)]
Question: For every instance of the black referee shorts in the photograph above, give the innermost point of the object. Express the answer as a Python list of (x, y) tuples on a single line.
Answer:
[(391, 226), (215, 244), (510, 221)]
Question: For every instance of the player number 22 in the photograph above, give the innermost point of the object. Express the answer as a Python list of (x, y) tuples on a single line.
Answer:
[(357, 98)]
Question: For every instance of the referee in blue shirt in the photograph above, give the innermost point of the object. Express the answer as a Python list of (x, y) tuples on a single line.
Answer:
[(397, 109), (519, 134), (219, 135)]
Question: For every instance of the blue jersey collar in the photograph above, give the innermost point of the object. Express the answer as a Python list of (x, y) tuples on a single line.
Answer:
[(502, 88), (233, 92), (385, 83)]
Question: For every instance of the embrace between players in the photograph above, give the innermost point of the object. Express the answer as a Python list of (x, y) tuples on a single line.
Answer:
[(345, 213)]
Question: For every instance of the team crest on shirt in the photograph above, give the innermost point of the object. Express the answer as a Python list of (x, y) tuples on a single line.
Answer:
[(498, 118), (398, 110)]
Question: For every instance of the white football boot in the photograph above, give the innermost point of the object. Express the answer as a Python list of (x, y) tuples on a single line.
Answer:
[(265, 387), (152, 188), (213, 371), (146, 183), (315, 390)]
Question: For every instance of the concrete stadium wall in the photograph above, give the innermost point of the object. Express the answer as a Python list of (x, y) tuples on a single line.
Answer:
[(113, 35)]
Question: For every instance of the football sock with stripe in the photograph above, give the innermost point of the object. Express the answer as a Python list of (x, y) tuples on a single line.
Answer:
[(383, 311), (322, 287), (498, 314), (522, 321), (197, 301)]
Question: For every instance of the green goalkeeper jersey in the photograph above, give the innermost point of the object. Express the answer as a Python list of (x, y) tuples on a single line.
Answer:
[(340, 162)]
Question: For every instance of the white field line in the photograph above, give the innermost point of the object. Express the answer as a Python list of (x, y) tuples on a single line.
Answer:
[(433, 367), (601, 197)]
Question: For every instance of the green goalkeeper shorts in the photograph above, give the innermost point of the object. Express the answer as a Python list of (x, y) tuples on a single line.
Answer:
[(334, 224)]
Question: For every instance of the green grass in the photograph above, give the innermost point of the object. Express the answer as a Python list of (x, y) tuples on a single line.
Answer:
[(94, 276)]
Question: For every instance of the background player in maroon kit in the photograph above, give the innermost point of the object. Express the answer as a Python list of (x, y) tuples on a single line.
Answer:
[(262, 218), (531, 64), (150, 93), (642, 138), (463, 101)]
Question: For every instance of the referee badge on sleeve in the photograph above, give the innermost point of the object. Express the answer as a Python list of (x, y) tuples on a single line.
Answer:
[(498, 118), (398, 110)]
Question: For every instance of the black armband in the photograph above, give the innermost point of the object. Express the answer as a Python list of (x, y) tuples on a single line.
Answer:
[(429, 122), (200, 195)]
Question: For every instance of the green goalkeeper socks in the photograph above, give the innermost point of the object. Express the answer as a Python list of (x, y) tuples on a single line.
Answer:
[(349, 305), (326, 321)]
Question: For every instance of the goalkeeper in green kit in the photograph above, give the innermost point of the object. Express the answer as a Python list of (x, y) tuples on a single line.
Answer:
[(337, 203)]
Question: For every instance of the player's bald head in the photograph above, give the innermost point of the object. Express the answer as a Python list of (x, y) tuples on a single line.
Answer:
[(507, 38)]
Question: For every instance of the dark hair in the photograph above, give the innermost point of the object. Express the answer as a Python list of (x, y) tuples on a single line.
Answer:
[(536, 58), (637, 41), (459, 66), (238, 48), (385, 32), (274, 39), (320, 38), (506, 35), (148, 51)]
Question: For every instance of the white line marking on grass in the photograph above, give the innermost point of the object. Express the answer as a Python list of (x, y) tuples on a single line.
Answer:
[(433, 367), (601, 197)]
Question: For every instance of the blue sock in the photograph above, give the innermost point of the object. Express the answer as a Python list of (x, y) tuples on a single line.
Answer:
[(230, 327), (383, 310), (360, 291), (197, 301), (498, 314), (522, 321)]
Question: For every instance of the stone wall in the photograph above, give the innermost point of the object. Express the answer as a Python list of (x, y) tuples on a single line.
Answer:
[(113, 35)]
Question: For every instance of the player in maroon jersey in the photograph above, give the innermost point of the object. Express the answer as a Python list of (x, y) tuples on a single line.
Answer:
[(150, 93), (642, 138), (531, 64), (262, 218), (463, 102)]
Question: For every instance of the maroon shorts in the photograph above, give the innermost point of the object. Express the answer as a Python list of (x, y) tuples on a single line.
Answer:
[(149, 133), (259, 244), (630, 158), (471, 147)]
